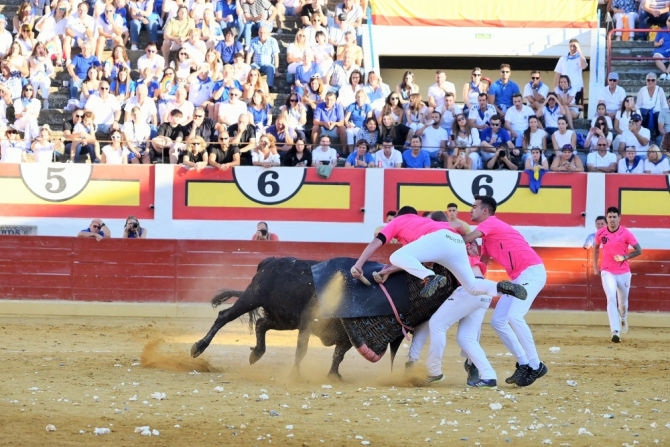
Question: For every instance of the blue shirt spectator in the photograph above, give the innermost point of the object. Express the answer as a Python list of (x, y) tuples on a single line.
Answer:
[(226, 90), (368, 158), (226, 9), (418, 162), (504, 93), (261, 116), (358, 114), (304, 76), (228, 51), (335, 114), (502, 136), (122, 88), (81, 64)]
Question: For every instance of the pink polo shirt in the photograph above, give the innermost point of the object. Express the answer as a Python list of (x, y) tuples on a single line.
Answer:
[(506, 245), (614, 243), (410, 227)]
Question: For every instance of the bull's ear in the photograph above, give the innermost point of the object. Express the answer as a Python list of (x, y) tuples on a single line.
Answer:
[(394, 345)]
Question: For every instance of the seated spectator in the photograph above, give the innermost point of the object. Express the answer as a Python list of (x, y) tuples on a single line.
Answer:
[(661, 51), (110, 29), (201, 126), (43, 147), (622, 118), (310, 8), (506, 159), (392, 107), (24, 16), (13, 147), (148, 112), (536, 160), (492, 138), (257, 14), (324, 154), (96, 229), (631, 163), (26, 111), (295, 113), (351, 13), (316, 25), (297, 155), (449, 110), (283, 135), (195, 155), (480, 114), (377, 91), (336, 33), (200, 87), (79, 66), (502, 91), (551, 112), (416, 158), (243, 136), (152, 62), (198, 8), (263, 54), (459, 159), (17, 60), (25, 39), (534, 136), (656, 163), (305, 71), (361, 157), (6, 38), (598, 131), (295, 52), (329, 120), (265, 153), (242, 69), (211, 31), (625, 9), (339, 73), (347, 93), (142, 15), (434, 137), (636, 136), (415, 112), (228, 47), (535, 92), (567, 161), (350, 46), (516, 119), (399, 132), (68, 135), (464, 136), (324, 52), (601, 160), (315, 94), (117, 152), (80, 30), (563, 136), (261, 112), (133, 230), (651, 97), (179, 102), (601, 111), (89, 87), (183, 64), (253, 83), (388, 156), (116, 62), (355, 116), (228, 13), (52, 31), (222, 89), (472, 90), (370, 133), (107, 109), (566, 100), (223, 156), (194, 46), (263, 233), (176, 31), (169, 138), (136, 136), (613, 95), (230, 111), (664, 122)]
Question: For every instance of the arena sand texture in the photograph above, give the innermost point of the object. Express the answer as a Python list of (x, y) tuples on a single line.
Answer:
[(79, 373)]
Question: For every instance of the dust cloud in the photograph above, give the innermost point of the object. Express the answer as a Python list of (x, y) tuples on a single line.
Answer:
[(155, 357)]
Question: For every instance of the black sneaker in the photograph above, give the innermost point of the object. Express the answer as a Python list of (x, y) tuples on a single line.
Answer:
[(433, 379), (473, 372), (509, 288), (431, 284), (532, 375), (520, 372), (615, 337)]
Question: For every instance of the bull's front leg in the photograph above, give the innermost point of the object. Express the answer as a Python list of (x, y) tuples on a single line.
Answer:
[(304, 331), (200, 346)]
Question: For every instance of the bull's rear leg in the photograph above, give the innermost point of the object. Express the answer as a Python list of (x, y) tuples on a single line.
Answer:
[(262, 326), (338, 355), (304, 332), (225, 316)]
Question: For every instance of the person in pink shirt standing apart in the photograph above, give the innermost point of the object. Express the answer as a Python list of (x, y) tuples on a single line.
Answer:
[(614, 269), (425, 240), (507, 247)]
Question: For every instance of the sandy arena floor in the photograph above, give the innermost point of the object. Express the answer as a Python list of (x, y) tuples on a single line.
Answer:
[(83, 373)]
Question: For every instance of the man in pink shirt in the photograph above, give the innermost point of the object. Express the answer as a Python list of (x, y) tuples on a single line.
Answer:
[(506, 245), (425, 240), (614, 269)]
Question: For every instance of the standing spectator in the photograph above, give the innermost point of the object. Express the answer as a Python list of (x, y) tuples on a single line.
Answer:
[(653, 12), (12, 147), (263, 233), (502, 91), (656, 163), (492, 138), (176, 31), (142, 15), (169, 138), (631, 163), (416, 158), (535, 91), (472, 90), (243, 137), (361, 157), (137, 135), (433, 137), (297, 155), (133, 230), (329, 120), (627, 9), (572, 66), (601, 160), (388, 156), (228, 47), (437, 91), (115, 153), (567, 161), (96, 229), (516, 119), (324, 154), (257, 14), (480, 115), (79, 66), (223, 156), (106, 108), (80, 30), (43, 147), (613, 95), (264, 55)]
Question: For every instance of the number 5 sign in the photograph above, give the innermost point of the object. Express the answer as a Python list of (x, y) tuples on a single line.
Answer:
[(56, 183)]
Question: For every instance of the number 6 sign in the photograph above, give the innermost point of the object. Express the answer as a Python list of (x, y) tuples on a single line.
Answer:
[(467, 184), (269, 186), (56, 183)]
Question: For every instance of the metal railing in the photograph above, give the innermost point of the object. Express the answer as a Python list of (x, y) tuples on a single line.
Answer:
[(611, 58)]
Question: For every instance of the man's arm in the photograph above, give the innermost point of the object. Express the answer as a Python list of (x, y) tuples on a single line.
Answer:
[(596, 254), (369, 251), (473, 235), (641, 139)]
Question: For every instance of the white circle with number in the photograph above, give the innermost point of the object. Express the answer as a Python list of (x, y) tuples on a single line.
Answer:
[(55, 182), (498, 184), (269, 186)]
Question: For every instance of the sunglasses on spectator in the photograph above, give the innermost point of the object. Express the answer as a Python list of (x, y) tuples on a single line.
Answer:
[(27, 89), (476, 74), (11, 131), (504, 71), (535, 78), (97, 227), (62, 9), (79, 116), (183, 54), (495, 124), (293, 100), (394, 98), (614, 80), (224, 139), (151, 51), (104, 88), (651, 80)]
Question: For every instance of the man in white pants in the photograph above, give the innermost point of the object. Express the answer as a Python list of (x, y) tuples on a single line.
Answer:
[(425, 240), (506, 246), (614, 269)]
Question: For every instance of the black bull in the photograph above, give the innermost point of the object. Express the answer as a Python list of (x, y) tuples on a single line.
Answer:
[(284, 288)]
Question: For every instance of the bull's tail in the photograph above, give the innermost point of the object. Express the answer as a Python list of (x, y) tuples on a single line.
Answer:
[(224, 295)]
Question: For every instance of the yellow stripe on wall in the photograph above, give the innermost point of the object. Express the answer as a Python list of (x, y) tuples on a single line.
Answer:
[(97, 192), (645, 203), (227, 195)]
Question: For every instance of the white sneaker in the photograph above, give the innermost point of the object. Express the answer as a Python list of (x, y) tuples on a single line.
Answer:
[(133, 47), (624, 327), (663, 77)]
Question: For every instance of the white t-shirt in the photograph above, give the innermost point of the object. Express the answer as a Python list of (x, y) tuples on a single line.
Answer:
[(629, 139), (543, 90), (136, 133), (157, 64), (551, 116), (44, 154), (471, 140), (597, 161), (258, 156), (33, 107), (611, 100), (623, 169), (536, 138), (562, 140), (448, 118), (593, 142), (319, 155), (107, 27), (194, 52), (432, 138), (80, 25), (660, 168), (624, 119), (6, 41), (114, 156), (438, 94), (146, 110), (187, 109), (103, 110), (229, 113), (12, 151), (518, 119), (608, 120), (572, 68), (199, 93), (488, 113), (394, 159)]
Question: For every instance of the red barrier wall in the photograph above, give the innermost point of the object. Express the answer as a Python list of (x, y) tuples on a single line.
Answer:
[(58, 268)]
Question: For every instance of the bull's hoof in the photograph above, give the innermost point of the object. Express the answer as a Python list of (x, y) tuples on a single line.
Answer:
[(334, 375), (197, 349), (255, 355)]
